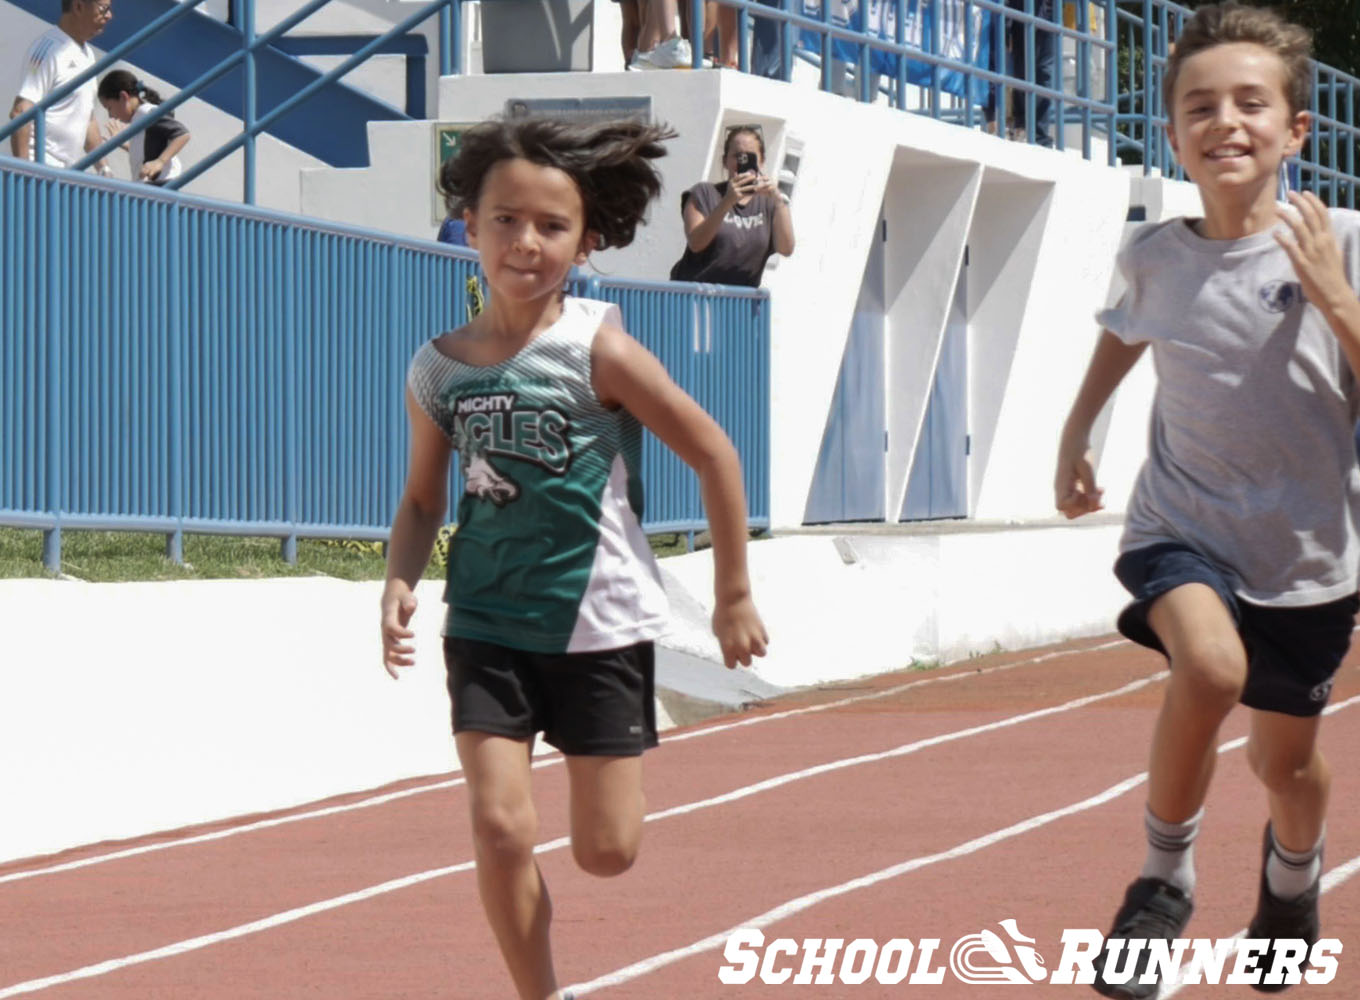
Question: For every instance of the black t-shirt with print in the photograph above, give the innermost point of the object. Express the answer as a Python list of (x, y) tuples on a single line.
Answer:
[(744, 242)]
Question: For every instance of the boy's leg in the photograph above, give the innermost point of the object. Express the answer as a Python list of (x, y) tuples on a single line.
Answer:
[(1284, 754), (504, 830), (607, 808), (1208, 672)]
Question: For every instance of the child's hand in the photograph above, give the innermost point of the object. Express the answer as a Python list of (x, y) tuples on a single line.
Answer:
[(1074, 487), (740, 632), (1313, 250), (398, 605), (151, 169)]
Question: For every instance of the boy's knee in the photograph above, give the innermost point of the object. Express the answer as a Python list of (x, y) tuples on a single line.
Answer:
[(604, 859), (1280, 771), (504, 832), (1214, 675)]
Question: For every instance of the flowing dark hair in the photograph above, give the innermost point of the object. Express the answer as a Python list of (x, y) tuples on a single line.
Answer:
[(120, 81), (610, 163)]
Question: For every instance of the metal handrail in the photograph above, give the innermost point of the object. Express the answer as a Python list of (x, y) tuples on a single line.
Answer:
[(38, 112), (358, 57)]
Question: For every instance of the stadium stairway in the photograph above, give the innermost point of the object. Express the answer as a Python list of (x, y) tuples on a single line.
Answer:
[(332, 126)]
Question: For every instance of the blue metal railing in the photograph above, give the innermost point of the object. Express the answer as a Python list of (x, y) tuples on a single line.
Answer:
[(173, 364), (1122, 104), (254, 121)]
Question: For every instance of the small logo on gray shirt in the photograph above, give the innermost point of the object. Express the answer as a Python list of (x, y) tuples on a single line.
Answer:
[(1278, 296)]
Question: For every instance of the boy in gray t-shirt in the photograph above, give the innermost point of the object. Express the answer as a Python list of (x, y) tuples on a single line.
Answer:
[(1240, 546)]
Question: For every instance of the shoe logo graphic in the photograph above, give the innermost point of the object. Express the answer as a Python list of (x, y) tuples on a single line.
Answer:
[(998, 960)]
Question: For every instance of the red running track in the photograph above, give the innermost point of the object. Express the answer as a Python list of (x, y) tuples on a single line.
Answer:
[(916, 806)]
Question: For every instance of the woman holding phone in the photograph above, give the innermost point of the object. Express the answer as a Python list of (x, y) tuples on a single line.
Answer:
[(732, 227)]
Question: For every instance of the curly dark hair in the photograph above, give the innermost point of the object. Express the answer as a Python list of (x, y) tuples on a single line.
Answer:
[(610, 163)]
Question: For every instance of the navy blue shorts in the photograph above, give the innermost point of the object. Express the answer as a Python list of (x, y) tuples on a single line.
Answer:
[(589, 704), (1292, 653)]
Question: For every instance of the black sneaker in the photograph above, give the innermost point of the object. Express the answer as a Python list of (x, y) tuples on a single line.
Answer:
[(1283, 918), (1153, 908)]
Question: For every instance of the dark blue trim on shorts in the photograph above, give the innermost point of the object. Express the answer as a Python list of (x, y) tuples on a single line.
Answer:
[(1292, 652)]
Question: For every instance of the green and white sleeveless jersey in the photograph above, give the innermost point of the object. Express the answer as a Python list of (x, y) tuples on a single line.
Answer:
[(549, 555)]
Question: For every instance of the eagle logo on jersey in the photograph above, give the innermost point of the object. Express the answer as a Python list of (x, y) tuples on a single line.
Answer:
[(497, 423), (482, 480)]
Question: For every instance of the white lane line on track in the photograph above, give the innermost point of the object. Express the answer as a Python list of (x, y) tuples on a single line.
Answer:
[(784, 910), (1336, 877), (546, 761), (298, 913)]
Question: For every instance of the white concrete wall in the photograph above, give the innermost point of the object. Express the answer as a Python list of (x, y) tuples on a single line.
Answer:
[(130, 708), (127, 709), (1043, 228)]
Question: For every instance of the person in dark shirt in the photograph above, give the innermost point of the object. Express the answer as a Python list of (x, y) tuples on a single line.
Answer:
[(732, 227), (153, 152)]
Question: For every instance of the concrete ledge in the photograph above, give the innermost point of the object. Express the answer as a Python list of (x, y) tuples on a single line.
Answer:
[(127, 709)]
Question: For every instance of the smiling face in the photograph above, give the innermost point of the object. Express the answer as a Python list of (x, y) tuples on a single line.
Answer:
[(1232, 125), (528, 228)]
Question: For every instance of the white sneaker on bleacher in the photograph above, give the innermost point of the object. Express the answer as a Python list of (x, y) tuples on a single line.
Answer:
[(673, 53)]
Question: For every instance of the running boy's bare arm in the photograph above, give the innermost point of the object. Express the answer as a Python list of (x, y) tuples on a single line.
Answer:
[(625, 373), (1074, 486), (417, 521), (1321, 269)]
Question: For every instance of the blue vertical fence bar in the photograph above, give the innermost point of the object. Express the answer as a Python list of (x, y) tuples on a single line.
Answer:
[(250, 85), (187, 366), (716, 345)]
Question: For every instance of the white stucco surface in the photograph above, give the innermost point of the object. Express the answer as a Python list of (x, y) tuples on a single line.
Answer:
[(127, 709)]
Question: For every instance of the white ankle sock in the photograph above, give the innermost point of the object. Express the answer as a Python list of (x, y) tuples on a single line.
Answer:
[(1290, 874), (1171, 850)]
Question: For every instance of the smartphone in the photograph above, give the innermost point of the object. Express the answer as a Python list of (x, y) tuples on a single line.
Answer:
[(747, 163)]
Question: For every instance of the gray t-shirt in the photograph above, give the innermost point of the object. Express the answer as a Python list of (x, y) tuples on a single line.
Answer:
[(743, 244), (1251, 454)]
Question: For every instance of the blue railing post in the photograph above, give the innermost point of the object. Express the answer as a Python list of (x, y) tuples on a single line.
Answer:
[(696, 30), (786, 44), (1148, 137), (446, 40), (456, 38), (54, 287), (900, 37), (968, 56), (251, 90), (1001, 28), (178, 280), (826, 47), (40, 137), (1112, 78), (1057, 83), (935, 46), (743, 40)]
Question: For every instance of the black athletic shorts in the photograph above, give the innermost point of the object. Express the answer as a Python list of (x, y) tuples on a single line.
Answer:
[(592, 704), (1292, 653)]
